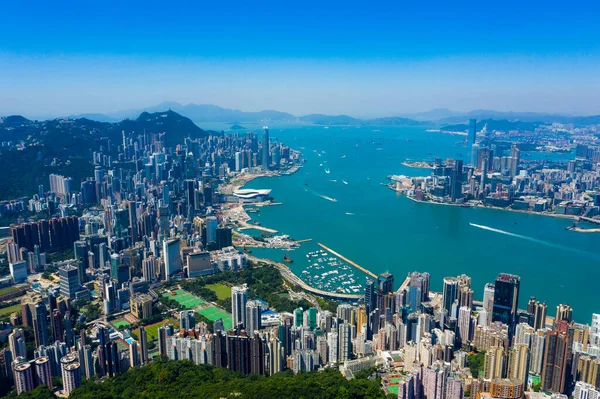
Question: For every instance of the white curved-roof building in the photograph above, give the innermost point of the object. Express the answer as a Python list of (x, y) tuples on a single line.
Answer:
[(252, 195)]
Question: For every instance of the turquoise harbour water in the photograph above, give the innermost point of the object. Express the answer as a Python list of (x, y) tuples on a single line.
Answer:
[(383, 231)]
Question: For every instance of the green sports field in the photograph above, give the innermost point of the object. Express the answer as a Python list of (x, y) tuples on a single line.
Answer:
[(10, 309), (186, 299), (222, 291), (120, 323), (393, 389), (212, 313), (152, 329)]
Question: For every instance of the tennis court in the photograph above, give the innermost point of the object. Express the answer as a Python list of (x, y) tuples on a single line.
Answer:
[(396, 379), (393, 389), (184, 298), (212, 313)]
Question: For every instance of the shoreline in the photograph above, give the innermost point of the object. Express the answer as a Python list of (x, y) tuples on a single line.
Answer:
[(481, 206)]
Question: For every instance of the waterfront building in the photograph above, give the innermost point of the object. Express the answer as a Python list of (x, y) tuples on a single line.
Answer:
[(563, 313), (265, 148), (472, 137)]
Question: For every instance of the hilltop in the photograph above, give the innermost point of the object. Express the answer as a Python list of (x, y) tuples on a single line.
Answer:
[(65, 146)]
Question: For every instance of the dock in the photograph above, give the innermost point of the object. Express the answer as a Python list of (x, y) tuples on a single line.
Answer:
[(305, 240), (287, 273), (359, 267)]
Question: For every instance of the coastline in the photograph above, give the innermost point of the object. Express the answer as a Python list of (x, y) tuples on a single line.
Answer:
[(481, 206)]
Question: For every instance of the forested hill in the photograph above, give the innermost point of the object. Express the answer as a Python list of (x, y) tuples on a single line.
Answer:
[(65, 146), (183, 379)]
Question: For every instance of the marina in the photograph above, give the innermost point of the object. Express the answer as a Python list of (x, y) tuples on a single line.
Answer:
[(329, 273)]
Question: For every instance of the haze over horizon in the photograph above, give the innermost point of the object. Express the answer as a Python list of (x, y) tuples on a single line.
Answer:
[(340, 58)]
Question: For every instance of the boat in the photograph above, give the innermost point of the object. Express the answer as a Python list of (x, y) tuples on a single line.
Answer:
[(286, 259)]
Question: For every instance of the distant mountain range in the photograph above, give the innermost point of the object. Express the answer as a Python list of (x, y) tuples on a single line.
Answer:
[(205, 113)]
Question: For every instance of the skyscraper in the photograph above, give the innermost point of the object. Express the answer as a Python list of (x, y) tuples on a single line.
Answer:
[(23, 377), (371, 290), (252, 317), (556, 354), (449, 295), (143, 345), (40, 324), (239, 298), (563, 312), (171, 257), (42, 371), (69, 281), (506, 300), (488, 300), (471, 137), (70, 373), (265, 148), (518, 362)]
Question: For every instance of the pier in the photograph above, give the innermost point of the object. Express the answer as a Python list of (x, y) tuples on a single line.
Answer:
[(290, 276), (359, 267), (257, 227), (404, 285), (305, 240)]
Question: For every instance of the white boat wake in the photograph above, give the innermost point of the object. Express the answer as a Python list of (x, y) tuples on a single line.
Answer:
[(546, 243), (320, 195), (344, 181), (350, 213)]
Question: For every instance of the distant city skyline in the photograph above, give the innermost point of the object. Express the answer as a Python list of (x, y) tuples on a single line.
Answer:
[(339, 58)]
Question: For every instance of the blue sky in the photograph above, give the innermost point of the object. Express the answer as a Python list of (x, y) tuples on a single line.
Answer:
[(359, 58)]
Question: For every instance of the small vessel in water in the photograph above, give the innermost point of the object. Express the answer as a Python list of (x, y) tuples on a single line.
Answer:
[(287, 259)]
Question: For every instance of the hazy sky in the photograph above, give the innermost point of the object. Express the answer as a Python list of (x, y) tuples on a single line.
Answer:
[(360, 58)]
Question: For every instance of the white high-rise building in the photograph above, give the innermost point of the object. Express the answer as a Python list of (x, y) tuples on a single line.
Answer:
[(252, 317), (595, 331), (488, 300), (171, 257), (332, 343), (464, 324), (239, 298), (585, 391), (70, 373), (538, 342), (345, 346)]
